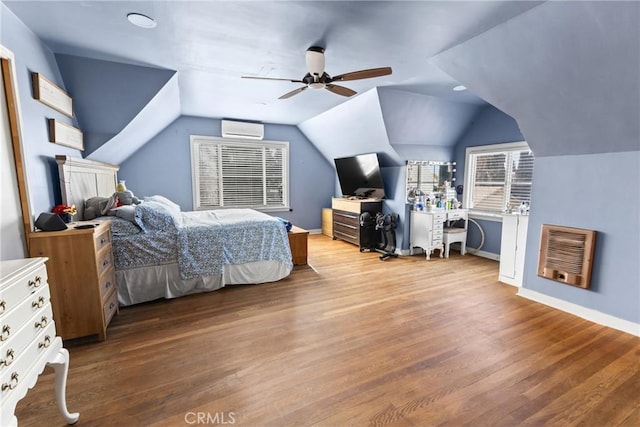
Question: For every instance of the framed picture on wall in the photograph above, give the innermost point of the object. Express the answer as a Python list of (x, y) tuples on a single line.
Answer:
[(64, 134), (51, 95)]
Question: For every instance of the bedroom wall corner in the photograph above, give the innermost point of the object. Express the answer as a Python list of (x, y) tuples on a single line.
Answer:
[(163, 166)]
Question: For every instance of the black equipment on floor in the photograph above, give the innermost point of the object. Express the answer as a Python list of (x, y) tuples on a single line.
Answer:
[(386, 225), (368, 234)]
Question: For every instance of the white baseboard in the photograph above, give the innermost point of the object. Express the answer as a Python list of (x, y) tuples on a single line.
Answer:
[(484, 254), (315, 231), (580, 311)]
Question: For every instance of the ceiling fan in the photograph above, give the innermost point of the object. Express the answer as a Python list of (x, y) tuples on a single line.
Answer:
[(317, 78)]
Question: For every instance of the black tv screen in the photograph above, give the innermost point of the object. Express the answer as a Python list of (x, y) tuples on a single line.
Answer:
[(360, 176)]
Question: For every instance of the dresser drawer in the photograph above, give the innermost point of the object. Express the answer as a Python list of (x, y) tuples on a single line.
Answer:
[(19, 340), (18, 371), (110, 307), (456, 215), (346, 218), (439, 217), (104, 260), (103, 239), (12, 295), (35, 304), (107, 284)]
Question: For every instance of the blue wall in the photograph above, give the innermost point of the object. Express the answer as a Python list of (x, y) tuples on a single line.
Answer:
[(31, 55), (597, 192), (163, 166)]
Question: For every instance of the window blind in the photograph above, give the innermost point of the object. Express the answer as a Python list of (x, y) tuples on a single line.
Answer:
[(500, 179), (236, 174)]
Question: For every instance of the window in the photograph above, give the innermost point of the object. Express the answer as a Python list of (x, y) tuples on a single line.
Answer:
[(239, 174), (498, 178)]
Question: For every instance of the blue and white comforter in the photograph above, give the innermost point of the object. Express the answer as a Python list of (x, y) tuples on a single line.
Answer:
[(201, 242), (208, 240)]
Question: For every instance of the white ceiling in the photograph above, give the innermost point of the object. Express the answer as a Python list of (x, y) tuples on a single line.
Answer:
[(212, 43)]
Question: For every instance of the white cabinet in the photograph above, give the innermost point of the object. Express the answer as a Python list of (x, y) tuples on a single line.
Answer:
[(426, 231), (28, 340), (512, 248)]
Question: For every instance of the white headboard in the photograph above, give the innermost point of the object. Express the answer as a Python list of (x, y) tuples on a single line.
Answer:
[(81, 179)]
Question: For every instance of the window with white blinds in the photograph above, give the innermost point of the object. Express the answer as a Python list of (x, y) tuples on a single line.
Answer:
[(238, 174), (498, 178)]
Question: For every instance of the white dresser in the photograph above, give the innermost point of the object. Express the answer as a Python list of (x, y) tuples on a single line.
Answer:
[(28, 340), (427, 228)]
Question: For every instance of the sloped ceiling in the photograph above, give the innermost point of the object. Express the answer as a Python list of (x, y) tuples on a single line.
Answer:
[(393, 123), (562, 68), (160, 112), (352, 127), (412, 118), (107, 95), (211, 44)]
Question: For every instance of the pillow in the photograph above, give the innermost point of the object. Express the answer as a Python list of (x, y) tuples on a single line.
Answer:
[(127, 212), (154, 216), (174, 207)]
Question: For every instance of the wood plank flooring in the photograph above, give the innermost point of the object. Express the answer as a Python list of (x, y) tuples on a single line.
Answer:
[(351, 340)]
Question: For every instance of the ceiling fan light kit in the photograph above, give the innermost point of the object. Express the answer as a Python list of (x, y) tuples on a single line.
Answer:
[(317, 78)]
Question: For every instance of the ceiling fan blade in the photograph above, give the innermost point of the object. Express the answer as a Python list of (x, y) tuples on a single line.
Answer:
[(293, 92), (272, 78), (340, 90), (363, 74)]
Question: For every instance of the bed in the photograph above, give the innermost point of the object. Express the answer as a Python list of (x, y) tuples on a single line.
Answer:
[(163, 252)]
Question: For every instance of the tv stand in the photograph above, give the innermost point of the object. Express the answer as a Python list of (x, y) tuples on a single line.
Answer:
[(346, 221)]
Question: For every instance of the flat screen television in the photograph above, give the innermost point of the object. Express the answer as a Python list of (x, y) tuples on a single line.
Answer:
[(360, 176)]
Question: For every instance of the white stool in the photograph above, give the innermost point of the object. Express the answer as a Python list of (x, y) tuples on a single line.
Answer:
[(453, 235)]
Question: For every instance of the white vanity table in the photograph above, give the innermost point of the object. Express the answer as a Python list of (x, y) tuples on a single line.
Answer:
[(28, 340), (427, 228)]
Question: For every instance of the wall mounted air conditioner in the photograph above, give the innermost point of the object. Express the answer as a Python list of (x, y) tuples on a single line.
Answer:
[(243, 130)]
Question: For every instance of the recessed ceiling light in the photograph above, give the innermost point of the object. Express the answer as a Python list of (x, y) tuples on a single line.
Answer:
[(142, 21), (460, 88)]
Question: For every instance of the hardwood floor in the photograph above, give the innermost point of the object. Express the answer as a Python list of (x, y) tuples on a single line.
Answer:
[(351, 341)]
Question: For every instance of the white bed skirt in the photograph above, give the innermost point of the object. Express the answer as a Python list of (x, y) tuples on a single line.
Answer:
[(137, 285)]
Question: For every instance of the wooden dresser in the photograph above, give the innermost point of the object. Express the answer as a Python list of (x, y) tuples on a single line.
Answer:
[(346, 221), (28, 340), (81, 277)]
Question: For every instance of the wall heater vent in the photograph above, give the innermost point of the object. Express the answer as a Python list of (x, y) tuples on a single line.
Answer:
[(566, 255)]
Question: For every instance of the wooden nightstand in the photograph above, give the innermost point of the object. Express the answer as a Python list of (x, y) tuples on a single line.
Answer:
[(81, 277), (298, 243)]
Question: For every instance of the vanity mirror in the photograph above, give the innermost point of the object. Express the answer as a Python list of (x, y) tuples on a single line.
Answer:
[(425, 177)]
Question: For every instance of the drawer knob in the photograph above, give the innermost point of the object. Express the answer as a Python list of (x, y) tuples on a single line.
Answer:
[(3, 306), (39, 303), (107, 285), (6, 331), (9, 359), (103, 241), (13, 384), (35, 283), (105, 262), (45, 343), (111, 306), (42, 323)]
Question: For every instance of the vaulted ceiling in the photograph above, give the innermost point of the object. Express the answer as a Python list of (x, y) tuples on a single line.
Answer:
[(547, 64)]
